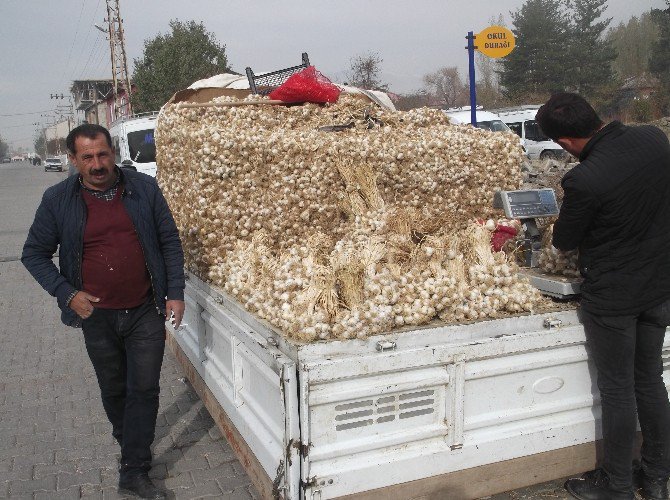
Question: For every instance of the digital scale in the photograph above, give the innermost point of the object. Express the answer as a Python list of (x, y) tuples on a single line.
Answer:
[(526, 205)]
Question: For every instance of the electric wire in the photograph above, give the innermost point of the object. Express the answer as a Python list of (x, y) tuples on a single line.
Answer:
[(94, 48), (2, 127), (29, 113), (84, 45), (76, 33), (101, 63)]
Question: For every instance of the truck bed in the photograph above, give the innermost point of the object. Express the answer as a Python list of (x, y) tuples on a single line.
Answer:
[(434, 410)]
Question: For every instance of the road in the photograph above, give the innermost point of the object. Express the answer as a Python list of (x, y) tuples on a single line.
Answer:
[(55, 441)]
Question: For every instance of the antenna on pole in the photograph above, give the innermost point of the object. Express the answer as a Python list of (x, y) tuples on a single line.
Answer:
[(117, 47)]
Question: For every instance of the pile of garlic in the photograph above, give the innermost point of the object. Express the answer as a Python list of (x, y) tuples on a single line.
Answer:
[(374, 280), (340, 234)]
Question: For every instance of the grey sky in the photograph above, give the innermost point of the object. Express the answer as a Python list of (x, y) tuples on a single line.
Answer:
[(48, 43)]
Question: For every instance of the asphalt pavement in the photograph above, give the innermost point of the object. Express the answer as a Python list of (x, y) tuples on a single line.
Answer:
[(55, 440)]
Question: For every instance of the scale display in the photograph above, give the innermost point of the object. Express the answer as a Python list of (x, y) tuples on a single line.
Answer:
[(527, 203)]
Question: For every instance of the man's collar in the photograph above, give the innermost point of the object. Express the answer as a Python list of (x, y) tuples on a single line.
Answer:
[(609, 129)]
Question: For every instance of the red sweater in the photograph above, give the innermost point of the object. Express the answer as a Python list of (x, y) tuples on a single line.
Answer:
[(113, 266)]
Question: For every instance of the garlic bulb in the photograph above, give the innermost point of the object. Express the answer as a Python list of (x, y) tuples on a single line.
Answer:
[(554, 261)]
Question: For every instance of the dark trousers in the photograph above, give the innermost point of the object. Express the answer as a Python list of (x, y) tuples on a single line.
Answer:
[(126, 348), (627, 354)]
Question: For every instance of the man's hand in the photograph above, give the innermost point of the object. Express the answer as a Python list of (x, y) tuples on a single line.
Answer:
[(82, 304), (176, 308)]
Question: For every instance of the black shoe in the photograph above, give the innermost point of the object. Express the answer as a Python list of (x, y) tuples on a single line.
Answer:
[(140, 486), (647, 487), (595, 485)]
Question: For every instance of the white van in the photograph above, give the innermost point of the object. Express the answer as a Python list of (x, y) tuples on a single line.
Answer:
[(521, 120), (133, 141), (485, 119)]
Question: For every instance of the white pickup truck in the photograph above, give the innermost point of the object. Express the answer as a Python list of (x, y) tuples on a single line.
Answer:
[(443, 411)]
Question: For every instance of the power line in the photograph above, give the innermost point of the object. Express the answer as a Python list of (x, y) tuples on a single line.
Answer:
[(76, 32), (100, 57), (102, 63), (95, 47), (31, 113), (84, 45), (21, 139), (16, 126)]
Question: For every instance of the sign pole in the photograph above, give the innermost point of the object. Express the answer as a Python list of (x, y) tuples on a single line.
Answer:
[(473, 91), (494, 41)]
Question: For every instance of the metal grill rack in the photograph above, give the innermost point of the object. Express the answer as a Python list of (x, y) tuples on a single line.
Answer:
[(265, 83)]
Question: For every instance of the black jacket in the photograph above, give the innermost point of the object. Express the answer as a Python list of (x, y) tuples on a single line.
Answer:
[(60, 220), (616, 211)]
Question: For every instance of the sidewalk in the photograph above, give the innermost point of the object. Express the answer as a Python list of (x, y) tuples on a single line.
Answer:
[(56, 440)]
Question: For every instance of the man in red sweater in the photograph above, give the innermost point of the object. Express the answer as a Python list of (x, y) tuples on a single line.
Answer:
[(121, 273)]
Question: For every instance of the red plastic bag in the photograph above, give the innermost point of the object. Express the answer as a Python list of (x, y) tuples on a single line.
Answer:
[(500, 235), (308, 85)]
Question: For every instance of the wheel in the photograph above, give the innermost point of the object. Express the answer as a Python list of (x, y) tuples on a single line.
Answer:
[(45, 169), (553, 154)]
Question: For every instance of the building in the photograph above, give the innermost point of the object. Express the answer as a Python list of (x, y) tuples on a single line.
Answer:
[(91, 98), (123, 109), (639, 87)]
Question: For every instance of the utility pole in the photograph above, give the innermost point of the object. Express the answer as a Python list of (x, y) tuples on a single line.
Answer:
[(62, 110), (117, 49), (46, 136)]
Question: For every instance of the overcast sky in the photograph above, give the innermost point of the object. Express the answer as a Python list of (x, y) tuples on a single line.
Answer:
[(46, 44)]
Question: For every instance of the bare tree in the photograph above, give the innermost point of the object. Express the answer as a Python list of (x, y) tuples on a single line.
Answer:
[(412, 100), (447, 87), (365, 72)]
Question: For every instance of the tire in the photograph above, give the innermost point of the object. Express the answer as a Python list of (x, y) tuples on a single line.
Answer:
[(551, 154)]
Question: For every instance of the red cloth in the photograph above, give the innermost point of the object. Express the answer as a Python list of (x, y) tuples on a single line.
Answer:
[(308, 85), (500, 235), (113, 266)]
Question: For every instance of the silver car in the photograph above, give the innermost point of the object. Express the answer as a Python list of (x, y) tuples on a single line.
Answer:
[(53, 165)]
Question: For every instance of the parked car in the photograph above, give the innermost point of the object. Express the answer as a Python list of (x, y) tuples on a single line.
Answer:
[(53, 165), (6, 160)]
